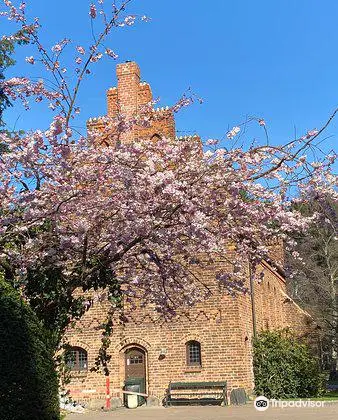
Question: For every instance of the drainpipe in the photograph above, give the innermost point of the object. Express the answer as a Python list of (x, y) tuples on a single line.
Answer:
[(253, 307)]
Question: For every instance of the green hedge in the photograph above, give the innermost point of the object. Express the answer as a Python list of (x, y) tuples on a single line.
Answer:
[(284, 367), (28, 381)]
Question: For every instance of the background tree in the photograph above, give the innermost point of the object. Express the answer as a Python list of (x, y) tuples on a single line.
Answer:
[(314, 283)]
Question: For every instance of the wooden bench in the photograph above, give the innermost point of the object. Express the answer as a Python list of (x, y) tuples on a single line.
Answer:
[(204, 393)]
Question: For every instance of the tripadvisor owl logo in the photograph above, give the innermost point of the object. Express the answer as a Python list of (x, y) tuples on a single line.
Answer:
[(261, 403)]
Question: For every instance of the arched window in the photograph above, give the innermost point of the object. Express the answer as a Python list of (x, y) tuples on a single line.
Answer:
[(77, 359), (156, 137), (193, 349)]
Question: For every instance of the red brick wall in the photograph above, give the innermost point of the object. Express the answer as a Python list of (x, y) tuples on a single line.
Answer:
[(222, 324), (215, 323)]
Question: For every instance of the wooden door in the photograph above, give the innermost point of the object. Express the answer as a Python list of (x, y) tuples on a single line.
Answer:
[(135, 369), (135, 364)]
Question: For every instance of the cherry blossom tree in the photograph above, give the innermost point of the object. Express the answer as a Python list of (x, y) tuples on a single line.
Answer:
[(141, 219)]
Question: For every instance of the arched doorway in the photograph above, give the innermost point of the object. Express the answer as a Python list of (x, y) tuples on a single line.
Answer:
[(135, 371)]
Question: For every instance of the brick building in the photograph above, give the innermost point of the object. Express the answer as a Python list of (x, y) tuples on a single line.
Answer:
[(209, 342)]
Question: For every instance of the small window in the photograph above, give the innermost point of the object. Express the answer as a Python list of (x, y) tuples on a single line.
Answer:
[(193, 353), (135, 360), (156, 137), (77, 359)]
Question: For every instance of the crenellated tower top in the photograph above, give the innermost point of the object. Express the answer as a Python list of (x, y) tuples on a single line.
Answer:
[(129, 99)]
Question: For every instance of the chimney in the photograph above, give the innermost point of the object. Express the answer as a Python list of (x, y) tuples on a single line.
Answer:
[(128, 82)]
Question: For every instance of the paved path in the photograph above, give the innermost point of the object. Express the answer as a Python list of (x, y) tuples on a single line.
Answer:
[(248, 412)]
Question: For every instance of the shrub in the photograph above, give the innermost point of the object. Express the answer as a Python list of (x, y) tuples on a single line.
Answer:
[(284, 367), (28, 380)]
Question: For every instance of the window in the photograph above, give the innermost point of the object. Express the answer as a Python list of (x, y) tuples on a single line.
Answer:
[(193, 353), (135, 360), (155, 137), (77, 359)]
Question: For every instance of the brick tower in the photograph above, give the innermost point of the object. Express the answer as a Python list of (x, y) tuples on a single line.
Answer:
[(129, 99)]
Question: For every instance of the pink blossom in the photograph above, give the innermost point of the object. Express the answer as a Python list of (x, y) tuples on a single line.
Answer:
[(96, 57), (111, 53), (57, 48), (22, 88), (30, 60), (211, 142), (311, 133), (233, 132), (261, 122), (130, 20), (80, 50), (92, 11)]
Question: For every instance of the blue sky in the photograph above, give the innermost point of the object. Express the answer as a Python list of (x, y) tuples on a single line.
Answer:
[(272, 59)]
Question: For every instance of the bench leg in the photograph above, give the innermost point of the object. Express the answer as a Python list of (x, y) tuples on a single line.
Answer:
[(225, 399)]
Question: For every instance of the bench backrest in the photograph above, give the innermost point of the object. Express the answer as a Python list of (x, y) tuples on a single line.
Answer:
[(196, 385)]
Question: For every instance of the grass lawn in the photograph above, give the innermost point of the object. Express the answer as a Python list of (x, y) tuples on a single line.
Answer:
[(328, 396), (333, 395)]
